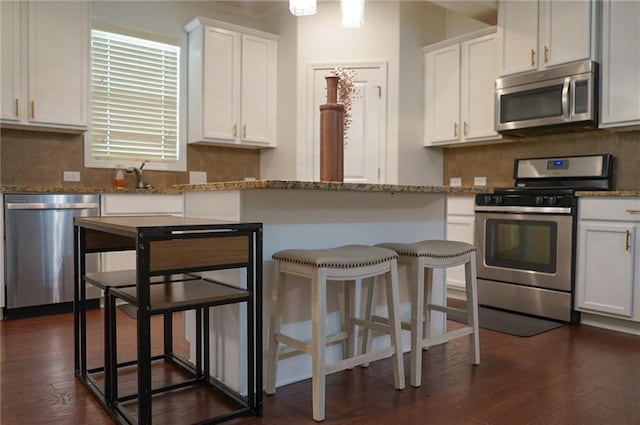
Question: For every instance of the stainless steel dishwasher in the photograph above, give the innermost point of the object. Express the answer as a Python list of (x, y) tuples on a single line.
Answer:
[(39, 276)]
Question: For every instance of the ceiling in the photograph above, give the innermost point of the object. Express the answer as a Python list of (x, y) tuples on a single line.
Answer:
[(483, 10)]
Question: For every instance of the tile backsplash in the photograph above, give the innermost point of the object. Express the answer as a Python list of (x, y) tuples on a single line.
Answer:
[(40, 158), (495, 161)]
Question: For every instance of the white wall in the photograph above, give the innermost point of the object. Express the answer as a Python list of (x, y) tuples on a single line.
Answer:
[(421, 24), (322, 40), (280, 163)]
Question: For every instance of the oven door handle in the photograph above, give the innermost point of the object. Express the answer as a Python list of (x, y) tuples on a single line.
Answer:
[(518, 209)]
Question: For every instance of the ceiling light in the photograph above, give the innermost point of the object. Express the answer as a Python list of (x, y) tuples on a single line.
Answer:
[(302, 7), (352, 13)]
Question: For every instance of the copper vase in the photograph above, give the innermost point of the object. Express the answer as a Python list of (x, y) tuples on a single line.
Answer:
[(332, 135)]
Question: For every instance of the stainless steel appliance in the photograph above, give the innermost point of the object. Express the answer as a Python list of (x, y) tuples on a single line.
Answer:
[(39, 276), (534, 103), (526, 235)]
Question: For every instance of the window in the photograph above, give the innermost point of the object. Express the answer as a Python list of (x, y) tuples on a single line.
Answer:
[(134, 102)]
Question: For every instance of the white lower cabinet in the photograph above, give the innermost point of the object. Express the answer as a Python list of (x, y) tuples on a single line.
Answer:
[(606, 275), (118, 204), (460, 227)]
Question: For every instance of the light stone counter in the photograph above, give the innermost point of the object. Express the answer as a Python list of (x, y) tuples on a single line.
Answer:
[(328, 186), (609, 193), (79, 189)]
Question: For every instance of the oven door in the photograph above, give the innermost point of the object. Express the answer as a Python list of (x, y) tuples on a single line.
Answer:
[(525, 248)]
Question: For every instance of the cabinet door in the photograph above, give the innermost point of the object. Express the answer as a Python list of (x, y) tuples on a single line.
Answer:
[(460, 227), (606, 268), (479, 72), (221, 82), (442, 95), (620, 63), (566, 32), (518, 36), (10, 66), (58, 62), (258, 90)]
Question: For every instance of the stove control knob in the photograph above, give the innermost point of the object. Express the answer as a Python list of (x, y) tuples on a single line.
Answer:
[(486, 200), (553, 200), (497, 199), (539, 200)]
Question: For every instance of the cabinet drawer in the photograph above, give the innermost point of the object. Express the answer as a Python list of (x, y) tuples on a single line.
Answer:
[(461, 205), (617, 209), (131, 204)]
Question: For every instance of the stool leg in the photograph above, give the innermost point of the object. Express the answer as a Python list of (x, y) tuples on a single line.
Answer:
[(368, 312), (345, 304), (393, 301), (428, 289), (472, 307), (417, 321), (318, 341), (275, 326)]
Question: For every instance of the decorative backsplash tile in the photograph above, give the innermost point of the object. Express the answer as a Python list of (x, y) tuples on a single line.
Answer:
[(39, 158), (496, 161)]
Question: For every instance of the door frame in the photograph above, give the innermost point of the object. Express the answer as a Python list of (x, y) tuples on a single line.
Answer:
[(312, 156)]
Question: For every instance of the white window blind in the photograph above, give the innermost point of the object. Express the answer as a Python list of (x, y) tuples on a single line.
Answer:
[(134, 101)]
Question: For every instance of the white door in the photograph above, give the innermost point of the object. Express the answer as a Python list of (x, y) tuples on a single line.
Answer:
[(365, 138)]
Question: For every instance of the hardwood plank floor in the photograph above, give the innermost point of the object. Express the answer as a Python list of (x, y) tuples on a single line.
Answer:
[(570, 375)]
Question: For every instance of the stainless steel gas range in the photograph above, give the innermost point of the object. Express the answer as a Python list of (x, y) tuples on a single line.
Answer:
[(526, 235)]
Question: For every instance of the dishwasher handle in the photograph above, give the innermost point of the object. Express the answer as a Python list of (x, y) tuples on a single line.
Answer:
[(51, 206)]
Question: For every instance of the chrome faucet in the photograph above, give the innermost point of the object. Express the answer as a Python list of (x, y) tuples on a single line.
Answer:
[(139, 176)]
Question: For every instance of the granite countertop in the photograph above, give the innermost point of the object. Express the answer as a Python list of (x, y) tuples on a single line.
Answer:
[(609, 193), (80, 189), (255, 184), (335, 186)]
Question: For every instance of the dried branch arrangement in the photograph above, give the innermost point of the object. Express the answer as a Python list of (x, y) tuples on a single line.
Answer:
[(347, 92)]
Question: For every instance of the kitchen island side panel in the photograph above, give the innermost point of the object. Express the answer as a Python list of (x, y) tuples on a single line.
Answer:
[(313, 219)]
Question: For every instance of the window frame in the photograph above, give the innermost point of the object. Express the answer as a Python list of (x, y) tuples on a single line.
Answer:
[(181, 164)]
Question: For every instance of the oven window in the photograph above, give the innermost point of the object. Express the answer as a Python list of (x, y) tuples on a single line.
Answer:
[(532, 104), (521, 244)]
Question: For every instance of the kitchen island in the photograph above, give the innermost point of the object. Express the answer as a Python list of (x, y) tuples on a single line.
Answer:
[(299, 214)]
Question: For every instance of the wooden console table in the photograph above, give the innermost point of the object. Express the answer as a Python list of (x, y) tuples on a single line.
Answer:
[(168, 251)]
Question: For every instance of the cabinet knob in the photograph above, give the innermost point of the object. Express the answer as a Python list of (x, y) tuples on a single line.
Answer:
[(533, 57)]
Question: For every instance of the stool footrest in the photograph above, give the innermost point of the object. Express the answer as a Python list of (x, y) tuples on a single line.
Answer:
[(382, 327), (352, 362), (296, 345), (439, 339)]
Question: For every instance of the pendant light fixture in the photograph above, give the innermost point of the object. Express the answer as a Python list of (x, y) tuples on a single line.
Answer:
[(352, 12), (302, 7)]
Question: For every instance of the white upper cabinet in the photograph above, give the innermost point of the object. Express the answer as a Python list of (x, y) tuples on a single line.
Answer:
[(536, 35), (45, 64), (459, 90), (620, 63), (232, 85)]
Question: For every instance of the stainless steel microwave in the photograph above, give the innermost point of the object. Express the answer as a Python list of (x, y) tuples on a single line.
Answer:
[(556, 99)]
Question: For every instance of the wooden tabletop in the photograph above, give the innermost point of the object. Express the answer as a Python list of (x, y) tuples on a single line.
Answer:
[(129, 225)]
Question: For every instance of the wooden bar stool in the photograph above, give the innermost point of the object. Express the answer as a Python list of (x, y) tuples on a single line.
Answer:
[(423, 257), (343, 264)]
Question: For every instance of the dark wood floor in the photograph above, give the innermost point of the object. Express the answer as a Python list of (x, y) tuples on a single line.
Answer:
[(570, 375)]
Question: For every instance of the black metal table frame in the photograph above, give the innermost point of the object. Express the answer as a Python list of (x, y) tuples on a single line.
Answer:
[(252, 403)]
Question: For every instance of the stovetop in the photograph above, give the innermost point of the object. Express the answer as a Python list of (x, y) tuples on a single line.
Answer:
[(552, 181)]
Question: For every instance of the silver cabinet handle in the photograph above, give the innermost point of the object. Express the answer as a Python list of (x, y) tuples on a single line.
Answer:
[(633, 211)]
